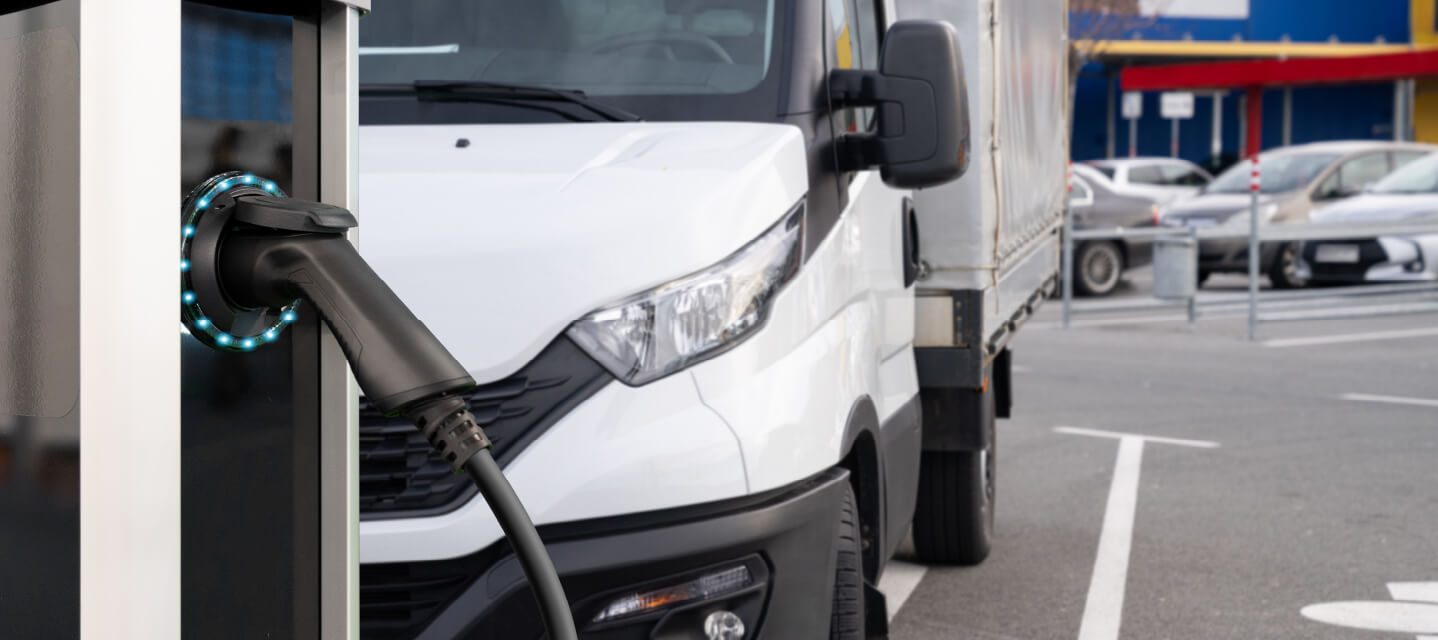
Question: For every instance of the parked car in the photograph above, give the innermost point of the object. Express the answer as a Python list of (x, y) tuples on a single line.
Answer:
[(1166, 180), (1408, 195), (1096, 203), (1294, 180)]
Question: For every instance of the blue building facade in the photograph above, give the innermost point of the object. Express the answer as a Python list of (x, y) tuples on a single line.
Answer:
[(1319, 113)]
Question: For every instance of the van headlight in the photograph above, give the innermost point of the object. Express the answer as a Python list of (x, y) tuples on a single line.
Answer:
[(680, 323)]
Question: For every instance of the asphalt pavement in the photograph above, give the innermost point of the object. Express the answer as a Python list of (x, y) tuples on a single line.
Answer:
[(1286, 485)]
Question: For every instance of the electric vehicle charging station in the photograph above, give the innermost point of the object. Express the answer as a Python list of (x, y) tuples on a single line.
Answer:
[(151, 486)]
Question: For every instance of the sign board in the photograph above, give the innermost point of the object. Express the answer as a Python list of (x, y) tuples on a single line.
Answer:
[(1176, 105), (1132, 105)]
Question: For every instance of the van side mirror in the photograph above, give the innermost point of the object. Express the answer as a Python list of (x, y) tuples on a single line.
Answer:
[(921, 103)]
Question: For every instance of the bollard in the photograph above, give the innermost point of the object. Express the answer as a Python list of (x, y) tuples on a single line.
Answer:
[(1193, 297), (1254, 186)]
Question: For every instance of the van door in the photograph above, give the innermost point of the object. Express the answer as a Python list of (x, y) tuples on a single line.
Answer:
[(879, 214)]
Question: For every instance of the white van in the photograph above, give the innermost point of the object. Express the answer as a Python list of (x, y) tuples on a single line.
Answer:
[(726, 353)]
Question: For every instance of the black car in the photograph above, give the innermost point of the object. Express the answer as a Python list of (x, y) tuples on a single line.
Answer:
[(1095, 203)]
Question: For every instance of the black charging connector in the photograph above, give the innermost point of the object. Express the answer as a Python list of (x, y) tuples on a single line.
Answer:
[(253, 252)]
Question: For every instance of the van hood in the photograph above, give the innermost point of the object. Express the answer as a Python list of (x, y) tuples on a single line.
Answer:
[(499, 236), (1377, 207)]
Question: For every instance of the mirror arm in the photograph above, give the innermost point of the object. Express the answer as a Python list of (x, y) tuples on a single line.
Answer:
[(858, 152), (857, 88)]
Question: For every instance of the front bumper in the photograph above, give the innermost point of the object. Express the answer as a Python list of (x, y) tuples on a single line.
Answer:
[(786, 536), (1384, 259)]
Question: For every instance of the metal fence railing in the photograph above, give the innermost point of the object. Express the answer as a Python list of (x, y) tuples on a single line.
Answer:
[(1267, 306)]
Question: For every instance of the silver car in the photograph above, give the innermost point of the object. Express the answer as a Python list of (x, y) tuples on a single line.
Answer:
[(1408, 195), (1294, 180), (1165, 180), (1095, 203)]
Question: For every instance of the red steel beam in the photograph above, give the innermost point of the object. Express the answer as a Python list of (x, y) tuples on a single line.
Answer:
[(1254, 136), (1305, 71)]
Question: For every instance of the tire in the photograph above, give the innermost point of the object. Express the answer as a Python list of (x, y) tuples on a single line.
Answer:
[(1098, 266), (846, 618), (1283, 272), (954, 516)]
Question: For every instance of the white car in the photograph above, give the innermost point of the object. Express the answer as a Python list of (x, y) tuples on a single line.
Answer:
[(1406, 196), (1166, 180), (726, 353)]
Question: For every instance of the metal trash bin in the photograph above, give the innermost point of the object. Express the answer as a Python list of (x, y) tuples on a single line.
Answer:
[(1175, 267)]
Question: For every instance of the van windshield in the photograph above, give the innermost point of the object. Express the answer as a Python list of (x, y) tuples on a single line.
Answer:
[(652, 57)]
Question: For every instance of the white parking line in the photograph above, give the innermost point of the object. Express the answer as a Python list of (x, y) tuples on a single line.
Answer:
[(1119, 435), (1415, 592), (898, 583), (1142, 319), (1367, 397), (1349, 337), (1103, 610)]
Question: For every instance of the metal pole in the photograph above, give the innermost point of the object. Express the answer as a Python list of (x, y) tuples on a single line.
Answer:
[(1398, 110), (1133, 137), (1110, 125), (1287, 116), (1403, 95), (1173, 138), (1068, 249), (1216, 150), (1253, 188)]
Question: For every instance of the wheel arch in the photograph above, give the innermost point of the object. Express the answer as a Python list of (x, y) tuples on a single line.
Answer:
[(862, 460)]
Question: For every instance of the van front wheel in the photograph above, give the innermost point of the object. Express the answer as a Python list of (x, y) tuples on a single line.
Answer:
[(846, 619)]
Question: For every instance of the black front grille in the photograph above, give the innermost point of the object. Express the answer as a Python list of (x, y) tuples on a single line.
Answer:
[(397, 601), (1370, 252), (402, 477)]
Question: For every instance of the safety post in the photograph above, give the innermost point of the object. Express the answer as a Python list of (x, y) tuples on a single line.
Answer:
[(1254, 186), (1068, 248), (1193, 293)]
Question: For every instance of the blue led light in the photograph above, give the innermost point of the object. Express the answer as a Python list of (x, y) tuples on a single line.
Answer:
[(200, 325)]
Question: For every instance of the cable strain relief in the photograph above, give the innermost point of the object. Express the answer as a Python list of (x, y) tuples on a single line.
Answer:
[(450, 428)]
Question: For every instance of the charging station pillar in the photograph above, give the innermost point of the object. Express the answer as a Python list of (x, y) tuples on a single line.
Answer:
[(150, 487)]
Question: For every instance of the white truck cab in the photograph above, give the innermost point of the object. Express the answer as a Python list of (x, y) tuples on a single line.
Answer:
[(695, 300)]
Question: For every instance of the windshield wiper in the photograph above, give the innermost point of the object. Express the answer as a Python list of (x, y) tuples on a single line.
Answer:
[(475, 91)]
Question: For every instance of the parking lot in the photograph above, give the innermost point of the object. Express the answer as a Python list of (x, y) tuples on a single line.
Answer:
[(1259, 478)]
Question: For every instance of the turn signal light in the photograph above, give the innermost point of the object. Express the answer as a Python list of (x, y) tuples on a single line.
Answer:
[(707, 586)]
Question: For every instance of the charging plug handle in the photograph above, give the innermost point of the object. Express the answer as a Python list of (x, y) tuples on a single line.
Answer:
[(281, 249), (276, 250)]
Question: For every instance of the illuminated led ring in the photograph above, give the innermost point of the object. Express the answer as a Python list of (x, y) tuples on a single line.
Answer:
[(191, 314)]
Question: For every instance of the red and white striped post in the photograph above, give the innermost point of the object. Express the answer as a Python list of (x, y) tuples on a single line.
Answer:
[(1255, 186)]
